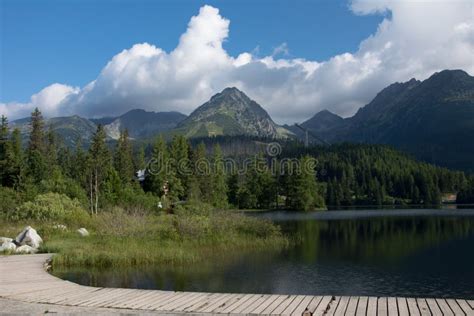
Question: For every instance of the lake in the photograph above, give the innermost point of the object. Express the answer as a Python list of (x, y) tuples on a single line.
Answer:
[(423, 253)]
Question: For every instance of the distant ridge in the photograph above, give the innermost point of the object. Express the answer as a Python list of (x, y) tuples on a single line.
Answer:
[(143, 124), (431, 119)]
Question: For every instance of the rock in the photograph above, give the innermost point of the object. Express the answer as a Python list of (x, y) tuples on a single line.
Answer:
[(29, 237), (7, 246), (83, 232), (60, 226), (4, 240), (26, 249)]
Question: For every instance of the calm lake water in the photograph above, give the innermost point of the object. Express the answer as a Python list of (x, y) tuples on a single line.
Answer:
[(395, 253)]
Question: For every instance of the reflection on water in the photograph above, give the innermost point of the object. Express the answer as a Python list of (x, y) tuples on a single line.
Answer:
[(341, 253)]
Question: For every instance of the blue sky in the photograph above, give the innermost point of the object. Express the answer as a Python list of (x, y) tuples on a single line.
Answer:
[(70, 41), (105, 57)]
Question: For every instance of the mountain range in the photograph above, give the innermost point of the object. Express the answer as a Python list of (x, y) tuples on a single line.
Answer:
[(431, 119), (228, 113)]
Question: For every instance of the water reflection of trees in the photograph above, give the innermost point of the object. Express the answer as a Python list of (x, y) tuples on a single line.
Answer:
[(376, 239)]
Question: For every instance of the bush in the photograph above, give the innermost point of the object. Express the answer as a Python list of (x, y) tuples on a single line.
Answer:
[(134, 199), (10, 200), (59, 183), (50, 206)]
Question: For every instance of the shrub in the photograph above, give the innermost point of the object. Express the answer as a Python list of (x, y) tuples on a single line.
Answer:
[(59, 183), (49, 206), (10, 200), (118, 222), (193, 226)]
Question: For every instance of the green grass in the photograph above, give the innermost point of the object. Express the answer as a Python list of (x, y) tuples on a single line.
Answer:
[(118, 239)]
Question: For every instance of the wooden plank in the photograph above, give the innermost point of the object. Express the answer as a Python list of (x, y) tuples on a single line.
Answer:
[(331, 309), (294, 304), (315, 302), (266, 304), (169, 299), (93, 297), (176, 305), (392, 306), (471, 303), (150, 295), (75, 298), (198, 299), (304, 305), (402, 306), (413, 307), (212, 298), (283, 305), (117, 299), (240, 307), (221, 304), (465, 306), (342, 306), (352, 306), (169, 306), (382, 308), (433, 306), (104, 300), (372, 306), (455, 307), (132, 296), (255, 304), (234, 305), (217, 301), (323, 306), (423, 307), (154, 300), (445, 309), (33, 296), (362, 305), (270, 308)]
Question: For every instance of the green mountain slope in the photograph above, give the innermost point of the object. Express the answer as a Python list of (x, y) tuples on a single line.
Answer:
[(231, 112)]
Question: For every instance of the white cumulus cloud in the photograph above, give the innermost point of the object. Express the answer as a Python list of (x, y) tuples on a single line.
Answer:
[(416, 39)]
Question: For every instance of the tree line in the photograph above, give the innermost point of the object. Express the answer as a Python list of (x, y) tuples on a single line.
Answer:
[(102, 175)]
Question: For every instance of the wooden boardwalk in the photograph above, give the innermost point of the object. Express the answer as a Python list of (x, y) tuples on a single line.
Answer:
[(24, 278)]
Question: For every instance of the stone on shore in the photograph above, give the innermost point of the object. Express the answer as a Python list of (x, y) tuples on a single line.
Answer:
[(83, 232), (4, 240), (7, 246), (29, 237), (25, 249)]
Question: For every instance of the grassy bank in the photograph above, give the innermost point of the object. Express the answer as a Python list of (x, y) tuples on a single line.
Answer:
[(119, 238)]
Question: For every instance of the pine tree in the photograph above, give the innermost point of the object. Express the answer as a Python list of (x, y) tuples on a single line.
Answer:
[(3, 150), (202, 172), (180, 162), (161, 174), (140, 163), (36, 161), (98, 165), (123, 159), (233, 189), (51, 149), (218, 179), (304, 192), (37, 139), (79, 164)]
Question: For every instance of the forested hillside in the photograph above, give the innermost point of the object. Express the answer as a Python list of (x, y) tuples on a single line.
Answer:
[(248, 173)]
